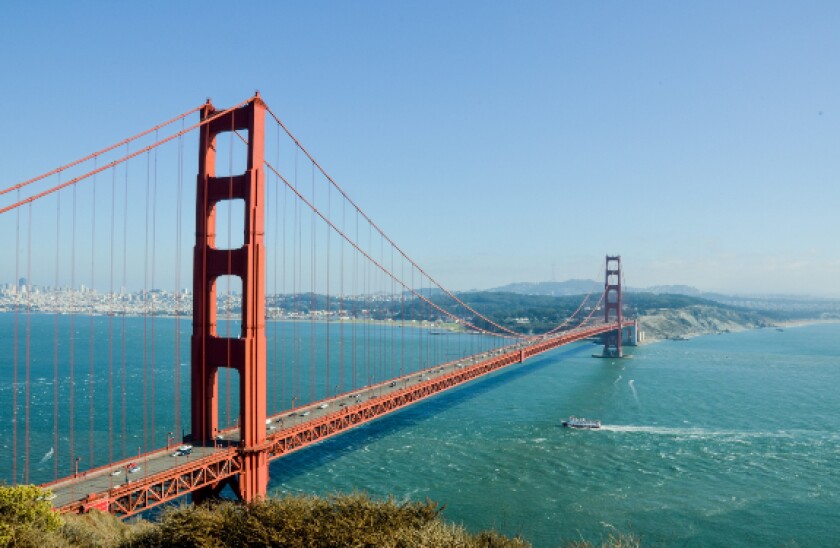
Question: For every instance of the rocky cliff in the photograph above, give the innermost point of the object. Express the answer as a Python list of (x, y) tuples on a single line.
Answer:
[(691, 321)]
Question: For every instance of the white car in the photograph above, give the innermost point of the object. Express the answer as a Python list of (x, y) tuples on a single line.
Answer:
[(183, 451)]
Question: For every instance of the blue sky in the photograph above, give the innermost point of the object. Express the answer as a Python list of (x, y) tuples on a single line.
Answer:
[(494, 141)]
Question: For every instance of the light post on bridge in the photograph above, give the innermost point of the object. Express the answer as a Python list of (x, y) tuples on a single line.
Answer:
[(76, 472), (168, 439)]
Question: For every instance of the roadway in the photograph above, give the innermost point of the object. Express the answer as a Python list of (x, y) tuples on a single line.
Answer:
[(105, 479), (114, 479)]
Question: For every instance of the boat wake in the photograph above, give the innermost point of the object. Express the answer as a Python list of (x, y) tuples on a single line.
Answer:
[(693, 432), (47, 456), (633, 388), (661, 430)]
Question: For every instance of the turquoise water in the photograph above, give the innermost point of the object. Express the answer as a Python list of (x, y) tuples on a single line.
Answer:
[(727, 440), (120, 363), (717, 441)]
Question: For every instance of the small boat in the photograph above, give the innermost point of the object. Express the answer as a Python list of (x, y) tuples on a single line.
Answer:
[(580, 422)]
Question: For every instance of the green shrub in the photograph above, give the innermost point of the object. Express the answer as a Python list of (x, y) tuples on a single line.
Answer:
[(25, 514), (27, 520), (307, 521)]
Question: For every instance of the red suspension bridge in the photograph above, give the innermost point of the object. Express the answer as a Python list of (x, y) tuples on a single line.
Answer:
[(307, 319)]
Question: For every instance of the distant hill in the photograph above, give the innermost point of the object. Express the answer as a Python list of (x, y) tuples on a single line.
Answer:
[(781, 307), (581, 287), (553, 289), (670, 290), (665, 311)]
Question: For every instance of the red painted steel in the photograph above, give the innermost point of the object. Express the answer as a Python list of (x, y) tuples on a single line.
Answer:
[(245, 466), (612, 306), (208, 473), (214, 471), (247, 353)]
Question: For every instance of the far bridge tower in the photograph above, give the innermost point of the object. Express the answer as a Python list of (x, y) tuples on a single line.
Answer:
[(612, 307)]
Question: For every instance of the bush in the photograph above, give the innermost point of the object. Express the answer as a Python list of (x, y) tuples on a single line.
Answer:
[(348, 520), (27, 520), (25, 514)]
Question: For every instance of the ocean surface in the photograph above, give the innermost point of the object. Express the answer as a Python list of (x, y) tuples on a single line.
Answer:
[(724, 440)]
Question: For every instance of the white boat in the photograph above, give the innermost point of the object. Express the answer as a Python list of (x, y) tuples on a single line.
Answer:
[(581, 422)]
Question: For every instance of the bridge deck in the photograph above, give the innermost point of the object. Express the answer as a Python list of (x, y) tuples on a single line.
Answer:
[(164, 477)]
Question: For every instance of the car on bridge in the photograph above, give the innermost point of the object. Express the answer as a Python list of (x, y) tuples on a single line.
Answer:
[(183, 451)]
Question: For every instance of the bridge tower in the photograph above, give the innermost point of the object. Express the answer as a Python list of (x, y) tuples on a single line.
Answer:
[(612, 307), (246, 353)]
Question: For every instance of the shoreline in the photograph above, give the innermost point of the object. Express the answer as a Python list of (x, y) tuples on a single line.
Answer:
[(688, 335), (449, 327)]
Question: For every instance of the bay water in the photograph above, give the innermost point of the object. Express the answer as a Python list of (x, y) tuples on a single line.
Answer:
[(722, 440)]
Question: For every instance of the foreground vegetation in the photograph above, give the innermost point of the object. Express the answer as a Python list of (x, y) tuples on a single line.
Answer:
[(27, 520), (348, 520)]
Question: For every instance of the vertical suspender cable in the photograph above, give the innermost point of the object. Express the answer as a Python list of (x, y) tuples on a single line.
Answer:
[(176, 412), (123, 298), (402, 320), (111, 311), (369, 299), (312, 305), (296, 365), (329, 307), (91, 302), (15, 350), (55, 333), (28, 336), (285, 302), (353, 336), (146, 314), (413, 305), (73, 329), (381, 322), (341, 303), (420, 319), (387, 347), (152, 302), (391, 316), (299, 291)]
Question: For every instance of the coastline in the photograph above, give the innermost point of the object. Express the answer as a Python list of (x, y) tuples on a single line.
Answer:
[(680, 325)]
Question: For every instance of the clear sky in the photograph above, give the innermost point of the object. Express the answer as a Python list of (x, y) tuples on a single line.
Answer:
[(494, 141)]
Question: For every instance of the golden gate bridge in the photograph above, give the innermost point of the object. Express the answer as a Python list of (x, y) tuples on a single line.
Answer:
[(307, 319)]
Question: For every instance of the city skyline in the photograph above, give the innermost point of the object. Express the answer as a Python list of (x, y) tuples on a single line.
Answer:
[(493, 143)]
